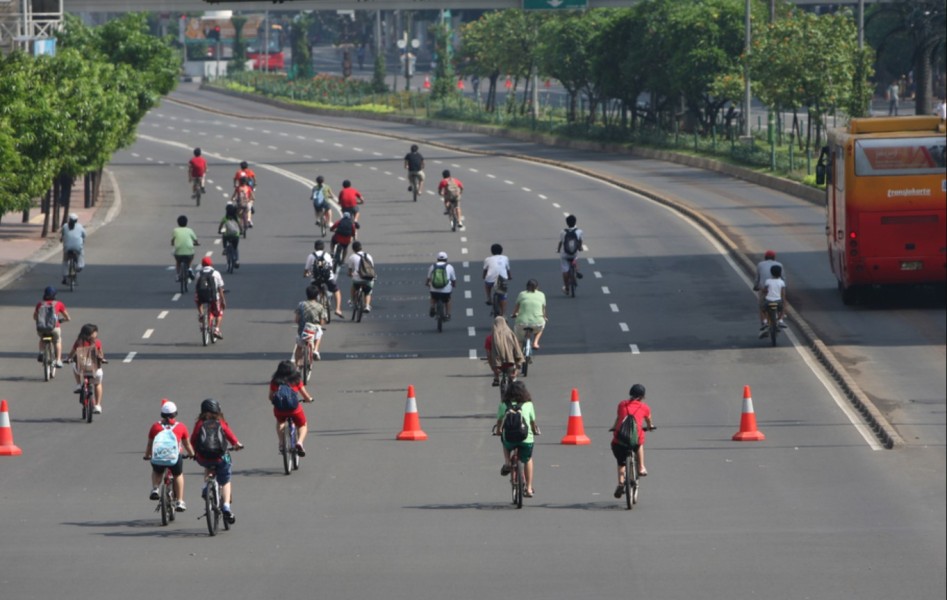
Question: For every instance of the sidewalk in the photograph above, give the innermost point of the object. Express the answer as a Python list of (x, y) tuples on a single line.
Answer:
[(22, 247)]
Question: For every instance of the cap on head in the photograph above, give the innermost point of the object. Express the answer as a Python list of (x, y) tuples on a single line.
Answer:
[(346, 215), (441, 256), (206, 261), (770, 255), (169, 408), (73, 217)]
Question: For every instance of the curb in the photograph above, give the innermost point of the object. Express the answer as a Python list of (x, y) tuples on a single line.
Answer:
[(879, 424)]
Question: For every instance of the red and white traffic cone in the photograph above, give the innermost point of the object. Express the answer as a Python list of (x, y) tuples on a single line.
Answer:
[(748, 431), (575, 431), (411, 431)]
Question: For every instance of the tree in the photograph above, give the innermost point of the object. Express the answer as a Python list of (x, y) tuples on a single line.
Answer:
[(444, 78), (567, 50), (238, 62), (299, 42)]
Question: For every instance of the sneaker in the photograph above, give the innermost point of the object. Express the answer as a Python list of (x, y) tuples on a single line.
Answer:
[(300, 450), (432, 312), (496, 382), (180, 506), (64, 282), (154, 494), (77, 389), (203, 190), (228, 514), (58, 364), (316, 355), (204, 494), (39, 358), (410, 188), (619, 491), (447, 317), (565, 290), (579, 275), (505, 470), (782, 323), (249, 225), (236, 265), (764, 333), (368, 309), (97, 409), (217, 334), (461, 224), (446, 212)]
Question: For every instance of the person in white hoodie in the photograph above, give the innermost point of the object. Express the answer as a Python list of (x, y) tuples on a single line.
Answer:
[(73, 240)]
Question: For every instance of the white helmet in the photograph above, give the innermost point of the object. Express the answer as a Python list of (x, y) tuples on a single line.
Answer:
[(169, 408)]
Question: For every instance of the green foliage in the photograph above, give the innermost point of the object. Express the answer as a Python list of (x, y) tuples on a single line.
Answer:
[(444, 84), (299, 42), (238, 62), (325, 89), (378, 74)]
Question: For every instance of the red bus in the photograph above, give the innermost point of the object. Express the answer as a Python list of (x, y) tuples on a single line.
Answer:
[(886, 195)]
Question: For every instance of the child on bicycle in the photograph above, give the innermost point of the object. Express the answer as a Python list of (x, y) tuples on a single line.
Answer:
[(87, 357), (51, 328), (169, 413), (287, 374), (518, 395), (641, 412), (209, 440), (310, 316), (229, 229)]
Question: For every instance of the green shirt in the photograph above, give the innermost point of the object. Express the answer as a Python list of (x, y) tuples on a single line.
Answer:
[(529, 415), (183, 239), (530, 310)]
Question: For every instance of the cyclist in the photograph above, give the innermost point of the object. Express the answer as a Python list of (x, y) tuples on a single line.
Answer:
[(570, 244), (764, 272), (287, 374), (320, 267), (503, 350), (169, 413), (530, 311), (441, 280), (245, 171), (321, 194), (87, 356), (197, 169), (773, 290), (72, 237), (310, 317), (414, 163), (211, 459), (496, 271), (50, 326), (350, 198), (641, 412), (519, 395), (343, 233), (358, 280), (229, 229), (451, 189), (183, 240), (215, 297), (244, 198)]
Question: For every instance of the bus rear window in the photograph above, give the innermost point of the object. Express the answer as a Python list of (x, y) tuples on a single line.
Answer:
[(900, 156)]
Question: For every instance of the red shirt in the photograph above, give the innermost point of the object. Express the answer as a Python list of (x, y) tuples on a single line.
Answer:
[(195, 438), (179, 429), (198, 166), (348, 197), (443, 184), (639, 410), (60, 308)]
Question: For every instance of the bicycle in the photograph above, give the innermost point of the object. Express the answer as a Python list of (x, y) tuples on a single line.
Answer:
[(165, 496), (496, 298), (323, 299), (213, 505), (49, 357), (243, 213), (415, 181), (184, 272), (338, 252), (452, 215), (196, 190), (772, 314), (632, 479), (288, 448), (306, 368), (507, 376), (517, 475), (208, 328), (358, 303), (87, 396), (527, 349), (572, 281), (440, 313), (230, 251), (323, 221), (72, 269)]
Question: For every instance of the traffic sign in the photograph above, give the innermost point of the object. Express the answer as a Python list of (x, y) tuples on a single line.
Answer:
[(555, 4)]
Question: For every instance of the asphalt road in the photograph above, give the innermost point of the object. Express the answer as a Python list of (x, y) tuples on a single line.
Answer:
[(815, 511)]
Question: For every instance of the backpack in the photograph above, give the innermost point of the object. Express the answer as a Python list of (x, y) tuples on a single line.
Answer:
[(243, 198), (231, 228), (452, 190), (366, 270), (318, 196), (211, 442), (206, 287), (165, 450), (285, 399), (321, 273), (570, 243), (345, 228), (628, 432), (439, 277), (514, 428), (46, 320)]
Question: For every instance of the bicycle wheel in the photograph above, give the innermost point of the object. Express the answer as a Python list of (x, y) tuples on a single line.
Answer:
[(572, 280), (228, 250), (504, 384), (205, 330), (210, 507), (773, 325), (324, 301), (164, 503), (293, 452), (323, 226), (453, 217), (495, 305), (72, 274), (49, 367), (527, 355), (519, 485), (183, 276), (289, 448), (629, 487), (88, 400), (440, 316), (307, 363), (197, 194)]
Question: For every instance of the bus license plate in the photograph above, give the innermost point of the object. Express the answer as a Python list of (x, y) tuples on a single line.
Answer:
[(914, 265)]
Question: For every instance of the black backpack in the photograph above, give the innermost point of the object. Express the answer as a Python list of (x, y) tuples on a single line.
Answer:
[(514, 428), (570, 243), (321, 273), (628, 432), (206, 287), (211, 442), (345, 228)]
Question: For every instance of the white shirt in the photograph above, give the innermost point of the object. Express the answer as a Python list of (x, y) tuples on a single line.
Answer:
[(562, 242), (320, 255), (495, 266), (451, 278), (72, 239), (763, 271), (218, 279), (352, 262), (942, 111), (774, 289)]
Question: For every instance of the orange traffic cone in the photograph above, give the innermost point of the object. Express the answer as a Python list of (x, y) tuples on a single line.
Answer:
[(411, 431), (427, 82), (7, 447), (575, 431), (748, 431)]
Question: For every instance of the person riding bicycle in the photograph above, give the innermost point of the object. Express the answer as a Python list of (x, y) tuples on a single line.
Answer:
[(321, 194), (209, 289), (360, 279), (245, 171), (169, 413), (244, 198), (87, 357), (210, 451), (343, 233), (72, 237), (496, 271), (518, 396), (503, 350), (197, 169), (441, 280), (321, 268), (451, 189), (350, 198), (764, 272), (641, 413), (570, 244), (229, 229), (414, 163), (48, 315), (183, 240), (530, 311), (310, 317), (287, 374), (773, 290)]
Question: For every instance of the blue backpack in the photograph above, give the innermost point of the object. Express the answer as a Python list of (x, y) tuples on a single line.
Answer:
[(165, 450), (285, 399)]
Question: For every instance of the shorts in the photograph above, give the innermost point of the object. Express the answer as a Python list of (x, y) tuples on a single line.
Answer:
[(352, 210), (621, 453), (526, 449), (215, 310), (222, 468), (298, 415), (96, 375), (321, 208), (330, 285), (302, 340), (56, 334), (520, 334), (176, 469), (366, 286), (442, 296), (490, 285), (185, 258), (565, 262), (418, 174)]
